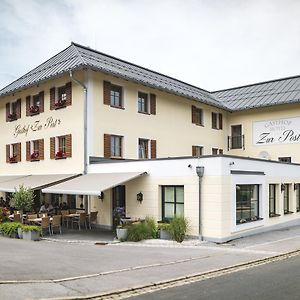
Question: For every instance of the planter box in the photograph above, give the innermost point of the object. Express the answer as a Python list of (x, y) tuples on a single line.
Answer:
[(122, 233), (164, 234), (31, 235), (20, 233)]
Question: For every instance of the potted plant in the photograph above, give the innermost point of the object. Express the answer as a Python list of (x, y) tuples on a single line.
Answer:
[(60, 154), (10, 229), (31, 233), (22, 199), (60, 103), (34, 155), (164, 231), (121, 229), (34, 109)]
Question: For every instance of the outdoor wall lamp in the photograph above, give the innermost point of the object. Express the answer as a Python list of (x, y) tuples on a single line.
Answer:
[(200, 171), (139, 197), (101, 196), (282, 187)]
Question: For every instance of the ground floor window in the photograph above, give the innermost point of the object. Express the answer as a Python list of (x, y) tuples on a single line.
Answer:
[(272, 201), (172, 201), (297, 187), (286, 198), (247, 203)]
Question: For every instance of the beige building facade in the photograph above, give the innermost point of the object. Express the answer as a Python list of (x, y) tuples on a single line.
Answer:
[(83, 112)]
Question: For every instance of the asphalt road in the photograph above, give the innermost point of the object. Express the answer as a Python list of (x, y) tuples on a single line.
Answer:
[(278, 280)]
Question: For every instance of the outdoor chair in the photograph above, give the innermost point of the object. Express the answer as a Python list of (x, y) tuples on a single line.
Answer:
[(56, 223), (92, 218), (17, 218), (31, 216), (81, 220), (45, 225), (64, 218)]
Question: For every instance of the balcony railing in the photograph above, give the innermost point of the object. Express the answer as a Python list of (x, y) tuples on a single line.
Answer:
[(236, 142)]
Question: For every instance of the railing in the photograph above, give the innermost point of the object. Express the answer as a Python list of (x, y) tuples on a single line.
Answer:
[(236, 142)]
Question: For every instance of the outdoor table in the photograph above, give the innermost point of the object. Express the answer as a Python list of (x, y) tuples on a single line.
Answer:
[(38, 220)]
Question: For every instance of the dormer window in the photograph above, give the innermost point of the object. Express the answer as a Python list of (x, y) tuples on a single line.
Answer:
[(35, 104), (13, 110)]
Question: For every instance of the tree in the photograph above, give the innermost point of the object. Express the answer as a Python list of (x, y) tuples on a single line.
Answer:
[(22, 199)]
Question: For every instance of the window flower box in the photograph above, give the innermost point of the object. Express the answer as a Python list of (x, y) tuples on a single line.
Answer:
[(13, 159), (34, 109), (34, 155), (60, 154), (12, 117), (60, 104)]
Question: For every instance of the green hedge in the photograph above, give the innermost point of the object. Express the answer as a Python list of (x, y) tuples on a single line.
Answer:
[(9, 228)]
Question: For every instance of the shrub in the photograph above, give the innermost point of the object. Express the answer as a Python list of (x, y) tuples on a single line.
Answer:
[(178, 228), (9, 228), (22, 199), (30, 228), (142, 230)]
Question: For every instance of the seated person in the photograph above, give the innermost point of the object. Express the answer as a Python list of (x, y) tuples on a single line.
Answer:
[(46, 208), (64, 206)]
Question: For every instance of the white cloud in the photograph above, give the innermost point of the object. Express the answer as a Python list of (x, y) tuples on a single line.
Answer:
[(211, 44)]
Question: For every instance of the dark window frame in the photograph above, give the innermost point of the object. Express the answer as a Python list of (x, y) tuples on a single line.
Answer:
[(143, 103), (199, 116), (198, 150), (286, 199), (214, 151), (286, 159), (297, 197), (113, 147), (175, 203), (245, 205), (146, 150), (116, 96), (273, 200)]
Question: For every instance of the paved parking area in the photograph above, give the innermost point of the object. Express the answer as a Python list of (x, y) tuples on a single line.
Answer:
[(55, 269)]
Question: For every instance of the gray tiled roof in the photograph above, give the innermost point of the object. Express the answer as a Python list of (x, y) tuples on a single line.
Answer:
[(281, 91), (275, 92), (77, 57)]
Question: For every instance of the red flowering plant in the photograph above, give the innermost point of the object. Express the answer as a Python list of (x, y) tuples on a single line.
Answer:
[(12, 116), (13, 158), (34, 155), (60, 103), (4, 213), (34, 109), (60, 154)]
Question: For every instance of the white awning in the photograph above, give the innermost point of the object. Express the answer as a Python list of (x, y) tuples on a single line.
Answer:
[(92, 184), (34, 182)]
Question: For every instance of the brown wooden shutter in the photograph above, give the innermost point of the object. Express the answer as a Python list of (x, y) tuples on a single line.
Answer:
[(194, 150), (220, 121), (41, 98), (69, 145), (18, 109), (7, 111), (28, 154), (153, 148), (152, 104), (41, 149), (107, 146), (18, 151), (52, 98), (194, 114), (69, 93), (7, 153), (28, 105), (52, 147), (106, 92)]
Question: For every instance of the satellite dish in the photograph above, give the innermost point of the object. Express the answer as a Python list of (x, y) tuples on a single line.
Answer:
[(264, 155)]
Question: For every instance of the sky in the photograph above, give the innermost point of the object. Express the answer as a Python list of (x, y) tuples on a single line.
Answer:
[(212, 44)]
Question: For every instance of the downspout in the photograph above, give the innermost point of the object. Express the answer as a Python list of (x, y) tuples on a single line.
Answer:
[(200, 172), (85, 163)]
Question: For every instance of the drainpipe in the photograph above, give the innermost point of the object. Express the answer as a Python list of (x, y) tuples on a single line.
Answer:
[(84, 120), (200, 172)]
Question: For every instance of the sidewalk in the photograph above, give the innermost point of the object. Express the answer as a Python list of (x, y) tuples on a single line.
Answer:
[(35, 270)]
